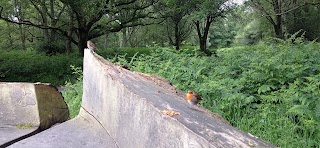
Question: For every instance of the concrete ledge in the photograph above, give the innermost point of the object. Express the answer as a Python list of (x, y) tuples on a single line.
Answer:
[(129, 108), (27, 108)]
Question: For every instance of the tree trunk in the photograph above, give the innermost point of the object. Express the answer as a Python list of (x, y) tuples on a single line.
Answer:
[(70, 32), (203, 46), (68, 46), (124, 37), (45, 22), (278, 29), (19, 12), (82, 45), (53, 22), (203, 38), (105, 45), (83, 38), (10, 36), (177, 36), (22, 36)]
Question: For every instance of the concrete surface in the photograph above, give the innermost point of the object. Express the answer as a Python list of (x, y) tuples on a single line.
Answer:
[(129, 108), (81, 132), (27, 108), (18, 111)]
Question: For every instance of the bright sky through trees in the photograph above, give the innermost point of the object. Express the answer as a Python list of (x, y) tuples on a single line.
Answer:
[(239, 2)]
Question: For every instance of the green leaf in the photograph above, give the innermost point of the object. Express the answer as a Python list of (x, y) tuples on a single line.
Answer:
[(265, 88), (301, 110)]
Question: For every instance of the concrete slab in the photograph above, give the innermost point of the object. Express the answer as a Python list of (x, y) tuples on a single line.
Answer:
[(81, 132), (18, 111), (27, 108)]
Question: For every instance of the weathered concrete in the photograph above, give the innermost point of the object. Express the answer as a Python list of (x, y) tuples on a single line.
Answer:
[(82, 131), (129, 108), (26, 109), (18, 111)]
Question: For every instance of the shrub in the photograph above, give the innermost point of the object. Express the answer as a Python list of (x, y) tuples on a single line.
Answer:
[(29, 66), (73, 93)]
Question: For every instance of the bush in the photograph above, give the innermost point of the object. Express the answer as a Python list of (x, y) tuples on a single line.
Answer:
[(29, 66), (73, 93)]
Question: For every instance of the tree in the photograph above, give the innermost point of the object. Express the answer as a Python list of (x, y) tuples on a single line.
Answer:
[(177, 21), (51, 13), (92, 18), (275, 10), (305, 19), (223, 32), (205, 13)]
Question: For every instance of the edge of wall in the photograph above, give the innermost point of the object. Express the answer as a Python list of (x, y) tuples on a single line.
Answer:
[(129, 109)]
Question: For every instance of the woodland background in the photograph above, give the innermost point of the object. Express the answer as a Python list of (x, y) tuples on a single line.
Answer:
[(255, 62)]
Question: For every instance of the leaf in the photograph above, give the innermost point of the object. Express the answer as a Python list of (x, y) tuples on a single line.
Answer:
[(265, 88), (317, 109), (170, 112), (301, 110)]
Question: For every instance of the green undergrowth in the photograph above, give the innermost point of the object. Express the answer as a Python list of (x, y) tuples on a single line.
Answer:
[(30, 66), (73, 93), (127, 52), (271, 90)]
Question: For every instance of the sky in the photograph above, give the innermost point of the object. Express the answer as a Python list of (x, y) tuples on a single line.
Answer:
[(239, 2)]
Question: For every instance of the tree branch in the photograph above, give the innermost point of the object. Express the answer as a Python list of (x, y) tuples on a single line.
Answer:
[(29, 23)]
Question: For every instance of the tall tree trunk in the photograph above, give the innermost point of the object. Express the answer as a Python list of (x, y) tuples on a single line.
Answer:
[(278, 30), (203, 36), (19, 14), (124, 37), (22, 37), (45, 21), (83, 38), (82, 45), (68, 41), (177, 36), (70, 32), (277, 6), (10, 35), (105, 45), (68, 46), (53, 22)]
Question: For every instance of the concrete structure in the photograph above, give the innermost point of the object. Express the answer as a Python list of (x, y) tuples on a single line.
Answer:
[(26, 109), (123, 109)]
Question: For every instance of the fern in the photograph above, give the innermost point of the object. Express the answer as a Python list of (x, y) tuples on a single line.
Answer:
[(270, 90)]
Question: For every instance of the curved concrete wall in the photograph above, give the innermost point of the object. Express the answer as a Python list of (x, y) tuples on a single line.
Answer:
[(129, 109)]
